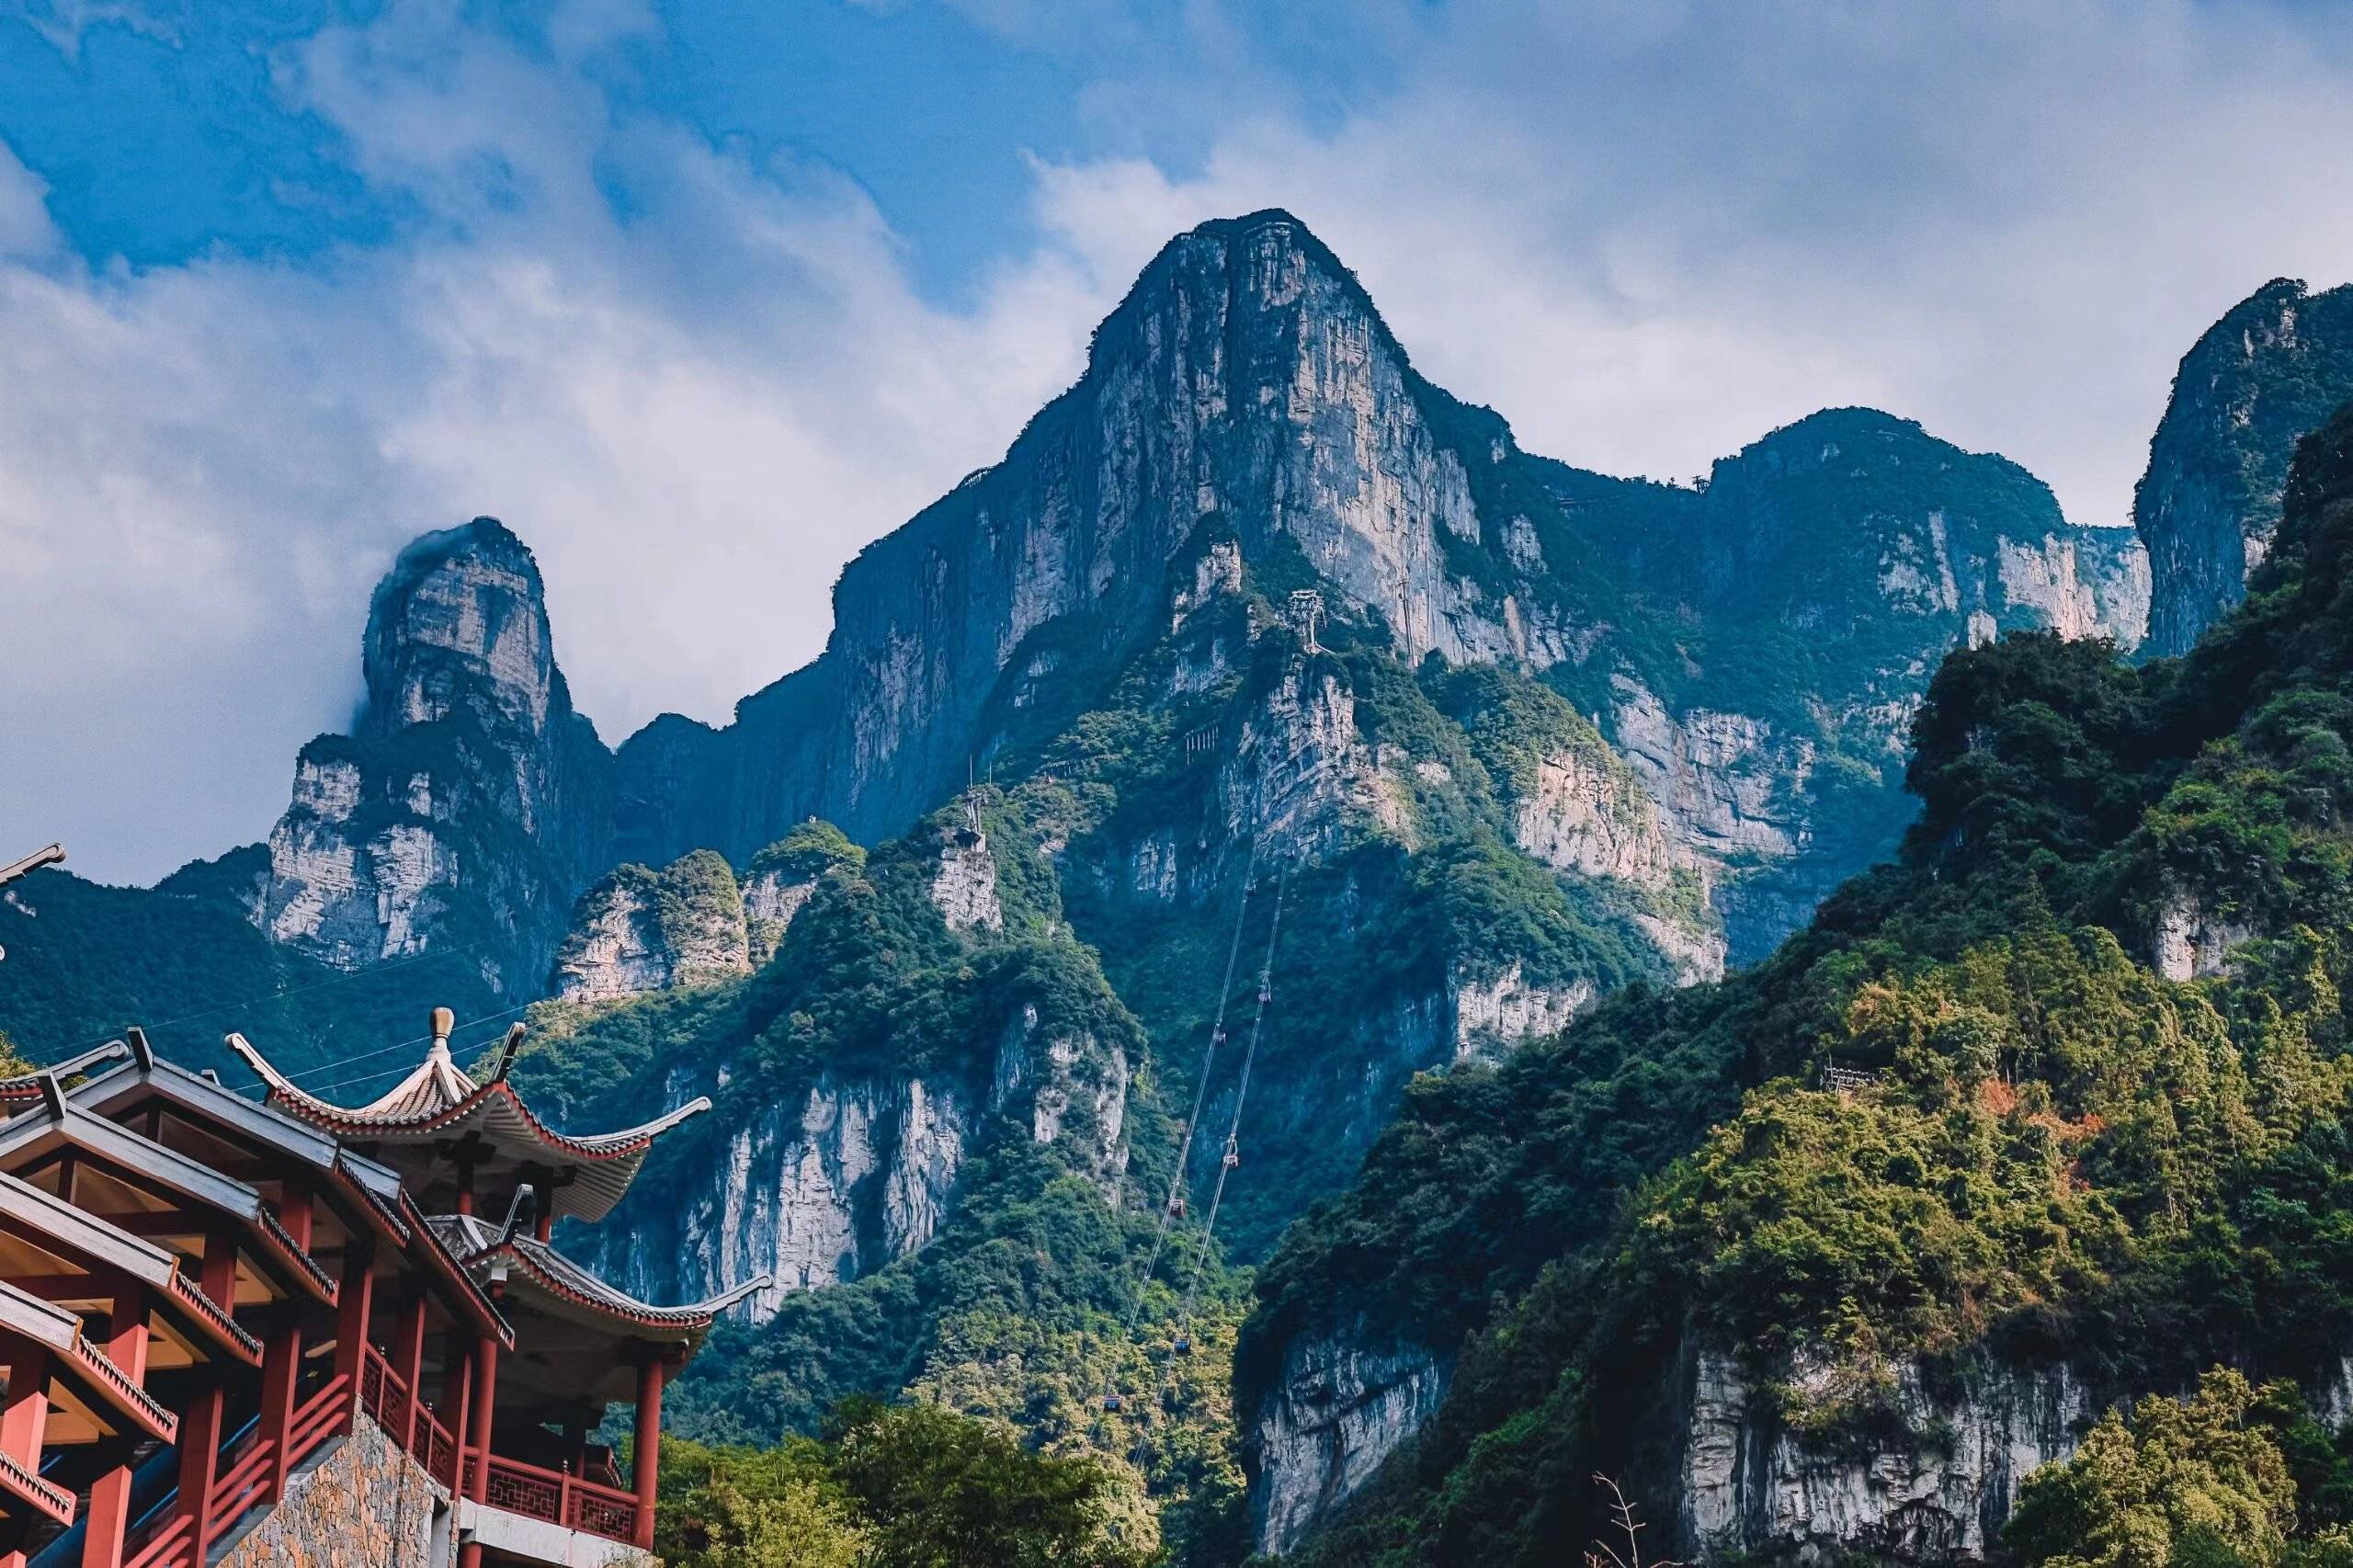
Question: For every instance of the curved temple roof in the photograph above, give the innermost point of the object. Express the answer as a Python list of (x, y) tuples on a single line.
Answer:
[(437, 1102), (536, 1272)]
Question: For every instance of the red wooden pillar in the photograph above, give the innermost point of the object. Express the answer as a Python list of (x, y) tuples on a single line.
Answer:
[(408, 1365), (646, 1468), (282, 1363), (110, 1511), (476, 1438), (457, 1402), (355, 1303), (24, 1419), (201, 1422)]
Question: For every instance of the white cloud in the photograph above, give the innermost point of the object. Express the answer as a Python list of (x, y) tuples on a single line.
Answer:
[(694, 417), (1645, 232)]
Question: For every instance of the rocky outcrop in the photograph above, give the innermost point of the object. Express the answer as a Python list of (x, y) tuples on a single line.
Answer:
[(964, 887), (856, 1170), (1749, 1485), (783, 877), (1587, 811), (814, 1192), (2090, 583), (1303, 772), (1335, 1412), (639, 930), (1493, 1013), (2269, 372), (1075, 1086), (469, 805), (2191, 941)]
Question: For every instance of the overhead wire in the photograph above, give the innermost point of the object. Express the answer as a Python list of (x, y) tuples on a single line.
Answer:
[(1231, 1158), (266, 998), (1176, 1176), (476, 1050)]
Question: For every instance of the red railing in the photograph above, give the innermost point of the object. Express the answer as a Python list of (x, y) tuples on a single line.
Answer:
[(249, 1479), (571, 1501), (385, 1397), (436, 1447), (235, 1490), (558, 1498), (320, 1417)]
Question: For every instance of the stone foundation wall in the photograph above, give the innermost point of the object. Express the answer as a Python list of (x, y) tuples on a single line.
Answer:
[(368, 1504)]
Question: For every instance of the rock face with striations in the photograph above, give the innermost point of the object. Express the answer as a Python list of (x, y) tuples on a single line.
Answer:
[(1755, 649), (2269, 372), (470, 803), (1933, 1484), (641, 930)]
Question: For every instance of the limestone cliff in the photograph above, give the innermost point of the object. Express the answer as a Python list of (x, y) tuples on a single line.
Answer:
[(1340, 1406), (783, 877), (1932, 1481), (1784, 618), (2271, 371), (468, 805), (813, 1193), (640, 930)]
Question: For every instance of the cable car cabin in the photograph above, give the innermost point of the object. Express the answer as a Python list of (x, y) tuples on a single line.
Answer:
[(1176, 1207), (1183, 1347)]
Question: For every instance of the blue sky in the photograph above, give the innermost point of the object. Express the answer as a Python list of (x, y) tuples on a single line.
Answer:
[(702, 298)]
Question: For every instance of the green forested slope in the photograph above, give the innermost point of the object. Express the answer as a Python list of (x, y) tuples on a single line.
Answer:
[(2064, 1157)]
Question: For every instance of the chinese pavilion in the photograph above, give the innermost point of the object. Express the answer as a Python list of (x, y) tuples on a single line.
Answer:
[(205, 1301)]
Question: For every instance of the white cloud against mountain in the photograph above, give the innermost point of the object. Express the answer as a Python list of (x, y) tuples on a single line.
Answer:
[(698, 379)]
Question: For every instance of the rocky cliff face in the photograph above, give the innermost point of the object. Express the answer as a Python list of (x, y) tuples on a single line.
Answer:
[(1246, 386), (1338, 1411), (2270, 371), (1749, 1485), (1248, 382), (815, 1192), (639, 930), (470, 803)]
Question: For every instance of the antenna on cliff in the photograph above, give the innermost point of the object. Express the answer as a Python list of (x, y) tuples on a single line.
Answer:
[(970, 836), (1306, 614)]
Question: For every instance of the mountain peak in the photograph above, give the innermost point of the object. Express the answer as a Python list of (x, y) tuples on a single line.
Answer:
[(2274, 368), (1266, 261), (460, 623)]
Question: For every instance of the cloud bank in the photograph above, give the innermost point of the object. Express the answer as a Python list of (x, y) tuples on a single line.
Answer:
[(697, 378)]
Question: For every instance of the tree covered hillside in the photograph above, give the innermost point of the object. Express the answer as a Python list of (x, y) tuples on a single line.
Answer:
[(2065, 1087)]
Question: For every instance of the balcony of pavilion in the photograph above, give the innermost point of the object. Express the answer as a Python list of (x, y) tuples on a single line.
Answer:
[(255, 1246), (531, 1479)]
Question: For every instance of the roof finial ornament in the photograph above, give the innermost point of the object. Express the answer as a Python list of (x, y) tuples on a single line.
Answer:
[(444, 1020)]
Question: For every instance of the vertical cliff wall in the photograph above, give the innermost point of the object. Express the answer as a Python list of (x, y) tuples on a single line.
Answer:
[(2269, 372), (470, 803)]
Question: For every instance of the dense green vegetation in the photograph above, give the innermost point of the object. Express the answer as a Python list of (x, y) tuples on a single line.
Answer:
[(1019, 1310), (2231, 1477), (889, 1486), (85, 959), (2061, 1155)]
